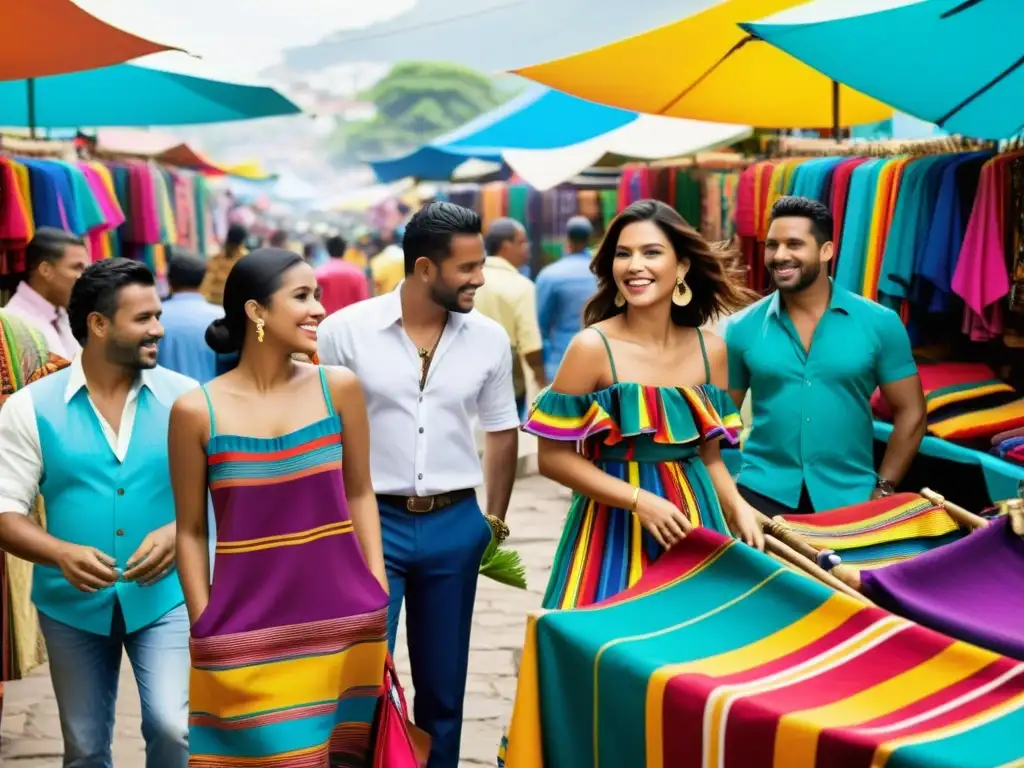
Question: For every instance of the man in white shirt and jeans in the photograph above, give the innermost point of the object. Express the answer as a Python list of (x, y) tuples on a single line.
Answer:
[(92, 439), (429, 366)]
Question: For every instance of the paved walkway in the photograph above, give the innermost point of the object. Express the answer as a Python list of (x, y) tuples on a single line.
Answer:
[(31, 731)]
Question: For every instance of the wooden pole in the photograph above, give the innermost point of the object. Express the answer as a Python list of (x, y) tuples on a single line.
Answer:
[(783, 552), (966, 519)]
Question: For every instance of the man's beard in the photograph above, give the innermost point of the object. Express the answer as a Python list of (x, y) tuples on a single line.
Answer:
[(807, 275), (129, 354), (445, 296)]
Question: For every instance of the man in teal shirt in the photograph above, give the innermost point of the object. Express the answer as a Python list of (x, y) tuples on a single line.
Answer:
[(811, 354)]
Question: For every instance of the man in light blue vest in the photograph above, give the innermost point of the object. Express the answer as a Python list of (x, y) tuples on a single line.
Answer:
[(93, 440)]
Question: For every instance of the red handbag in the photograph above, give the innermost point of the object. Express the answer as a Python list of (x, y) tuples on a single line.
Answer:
[(397, 743)]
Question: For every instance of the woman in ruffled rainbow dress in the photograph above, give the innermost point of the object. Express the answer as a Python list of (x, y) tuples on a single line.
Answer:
[(641, 390)]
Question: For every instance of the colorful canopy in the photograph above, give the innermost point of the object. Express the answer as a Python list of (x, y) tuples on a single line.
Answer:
[(647, 138), (536, 119), (954, 63), (137, 94), (49, 37), (701, 68)]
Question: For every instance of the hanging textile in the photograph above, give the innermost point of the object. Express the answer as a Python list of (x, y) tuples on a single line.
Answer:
[(120, 208)]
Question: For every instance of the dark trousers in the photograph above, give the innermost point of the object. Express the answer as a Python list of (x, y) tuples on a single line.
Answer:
[(772, 508), (521, 406), (433, 561)]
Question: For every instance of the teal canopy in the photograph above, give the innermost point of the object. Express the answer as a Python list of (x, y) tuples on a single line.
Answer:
[(131, 95), (955, 63)]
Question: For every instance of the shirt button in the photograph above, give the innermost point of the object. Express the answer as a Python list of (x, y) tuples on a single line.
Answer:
[(807, 382), (420, 398), (419, 476), (120, 491), (421, 430), (119, 531), (808, 419)]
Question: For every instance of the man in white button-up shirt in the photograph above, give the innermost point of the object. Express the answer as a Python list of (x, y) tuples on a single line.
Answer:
[(429, 366)]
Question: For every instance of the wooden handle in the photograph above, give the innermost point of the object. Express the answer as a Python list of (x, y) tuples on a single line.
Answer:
[(782, 552), (791, 539), (968, 520), (849, 575)]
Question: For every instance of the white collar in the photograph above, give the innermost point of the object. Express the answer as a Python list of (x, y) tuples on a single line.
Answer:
[(77, 382)]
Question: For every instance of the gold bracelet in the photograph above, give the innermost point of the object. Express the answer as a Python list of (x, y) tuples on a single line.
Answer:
[(499, 527), (636, 500)]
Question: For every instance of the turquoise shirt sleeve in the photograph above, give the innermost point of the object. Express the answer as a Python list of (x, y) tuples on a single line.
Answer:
[(895, 359)]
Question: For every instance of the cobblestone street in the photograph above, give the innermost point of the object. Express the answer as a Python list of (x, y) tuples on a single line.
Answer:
[(31, 731)]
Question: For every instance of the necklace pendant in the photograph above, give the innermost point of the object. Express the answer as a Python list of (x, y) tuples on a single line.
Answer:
[(423, 353)]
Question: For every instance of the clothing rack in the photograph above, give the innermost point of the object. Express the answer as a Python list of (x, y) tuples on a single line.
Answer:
[(790, 147), (42, 148)]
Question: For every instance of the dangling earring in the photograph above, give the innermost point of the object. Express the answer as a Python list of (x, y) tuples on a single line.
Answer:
[(259, 330), (682, 295), (620, 300)]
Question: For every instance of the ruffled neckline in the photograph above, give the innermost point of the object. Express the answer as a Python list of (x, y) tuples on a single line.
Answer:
[(669, 415)]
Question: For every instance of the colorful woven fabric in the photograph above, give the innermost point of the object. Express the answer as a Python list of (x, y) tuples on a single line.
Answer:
[(877, 533), (973, 589), (721, 656), (649, 437), (964, 401), (288, 657)]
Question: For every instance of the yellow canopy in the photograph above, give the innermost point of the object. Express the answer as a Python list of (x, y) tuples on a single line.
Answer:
[(252, 170), (701, 69)]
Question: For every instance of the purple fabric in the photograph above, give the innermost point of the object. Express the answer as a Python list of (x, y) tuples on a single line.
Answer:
[(972, 589)]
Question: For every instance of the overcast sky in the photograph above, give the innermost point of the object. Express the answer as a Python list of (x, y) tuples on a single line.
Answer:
[(236, 39)]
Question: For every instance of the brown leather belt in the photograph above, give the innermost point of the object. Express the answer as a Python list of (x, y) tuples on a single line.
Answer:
[(424, 504)]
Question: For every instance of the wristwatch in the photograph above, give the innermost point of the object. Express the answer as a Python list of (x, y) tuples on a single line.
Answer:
[(884, 486)]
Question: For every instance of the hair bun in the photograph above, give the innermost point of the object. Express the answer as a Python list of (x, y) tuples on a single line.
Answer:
[(219, 338)]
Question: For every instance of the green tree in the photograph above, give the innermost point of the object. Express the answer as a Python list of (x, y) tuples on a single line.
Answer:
[(416, 102)]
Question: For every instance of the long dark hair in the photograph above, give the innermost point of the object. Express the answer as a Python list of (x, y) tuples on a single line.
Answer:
[(716, 290), (255, 277)]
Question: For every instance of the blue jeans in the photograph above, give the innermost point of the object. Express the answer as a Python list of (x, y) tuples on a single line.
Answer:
[(433, 562), (85, 669)]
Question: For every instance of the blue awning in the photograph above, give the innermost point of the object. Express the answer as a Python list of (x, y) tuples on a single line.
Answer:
[(537, 119), (955, 63)]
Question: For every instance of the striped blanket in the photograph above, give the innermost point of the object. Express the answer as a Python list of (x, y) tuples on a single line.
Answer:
[(877, 533), (721, 656)]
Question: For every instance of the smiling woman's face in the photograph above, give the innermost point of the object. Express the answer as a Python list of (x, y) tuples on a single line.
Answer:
[(645, 267), (295, 311)]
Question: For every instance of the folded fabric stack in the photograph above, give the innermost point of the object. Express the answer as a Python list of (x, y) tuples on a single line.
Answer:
[(1009, 445), (965, 401)]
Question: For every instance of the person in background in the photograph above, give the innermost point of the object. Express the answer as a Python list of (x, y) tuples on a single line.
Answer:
[(54, 260), (510, 299), (811, 354), (278, 239), (356, 254), (387, 268), (186, 316), (218, 267), (340, 283), (430, 366), (105, 581), (563, 289)]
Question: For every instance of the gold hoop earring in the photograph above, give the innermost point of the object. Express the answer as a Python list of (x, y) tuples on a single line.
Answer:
[(259, 330), (620, 300), (682, 295)]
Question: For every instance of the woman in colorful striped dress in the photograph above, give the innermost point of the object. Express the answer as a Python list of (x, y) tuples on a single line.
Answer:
[(289, 643), (633, 419)]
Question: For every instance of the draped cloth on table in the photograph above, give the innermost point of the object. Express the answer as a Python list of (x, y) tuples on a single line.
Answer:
[(721, 655), (23, 359), (879, 532), (972, 589)]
